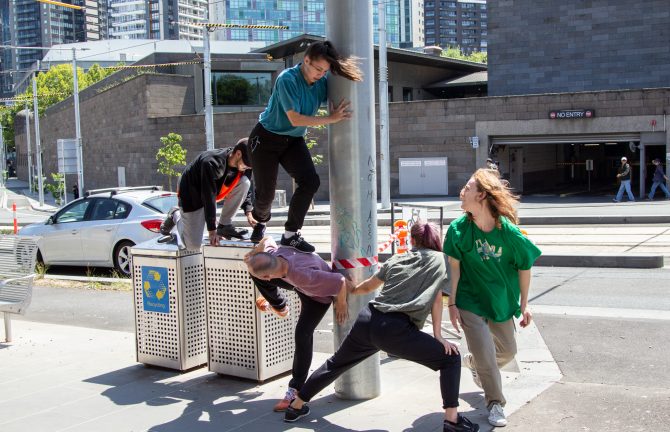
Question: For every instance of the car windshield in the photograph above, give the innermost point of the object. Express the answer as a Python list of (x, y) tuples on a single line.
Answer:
[(162, 203)]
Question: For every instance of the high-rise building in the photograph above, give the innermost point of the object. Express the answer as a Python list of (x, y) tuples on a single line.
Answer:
[(411, 24), (457, 23), (301, 17), (28, 23), (157, 19)]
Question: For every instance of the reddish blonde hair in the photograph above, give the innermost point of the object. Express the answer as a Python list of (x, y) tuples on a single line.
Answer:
[(499, 197)]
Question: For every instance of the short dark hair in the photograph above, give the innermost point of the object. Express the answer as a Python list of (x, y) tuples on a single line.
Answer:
[(261, 262), (243, 147)]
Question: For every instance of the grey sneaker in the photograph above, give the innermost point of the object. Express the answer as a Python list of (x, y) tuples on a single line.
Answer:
[(497, 416), (168, 223), (469, 362), (291, 414)]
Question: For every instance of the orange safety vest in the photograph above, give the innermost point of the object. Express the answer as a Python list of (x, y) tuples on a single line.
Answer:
[(225, 190)]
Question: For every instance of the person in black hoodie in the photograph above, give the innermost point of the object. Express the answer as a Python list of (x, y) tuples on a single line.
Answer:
[(215, 175)]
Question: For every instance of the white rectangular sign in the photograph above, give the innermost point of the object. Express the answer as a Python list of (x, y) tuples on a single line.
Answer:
[(67, 156)]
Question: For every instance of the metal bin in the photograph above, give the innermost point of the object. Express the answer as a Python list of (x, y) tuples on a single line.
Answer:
[(243, 341), (169, 298)]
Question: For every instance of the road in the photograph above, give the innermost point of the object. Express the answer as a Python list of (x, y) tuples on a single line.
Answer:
[(608, 330)]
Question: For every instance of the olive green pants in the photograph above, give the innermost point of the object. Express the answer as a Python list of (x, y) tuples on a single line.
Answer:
[(492, 345)]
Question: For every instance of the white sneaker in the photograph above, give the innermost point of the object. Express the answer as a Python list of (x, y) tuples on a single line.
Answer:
[(469, 362), (497, 416)]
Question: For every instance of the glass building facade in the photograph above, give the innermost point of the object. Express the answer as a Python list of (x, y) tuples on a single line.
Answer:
[(301, 16)]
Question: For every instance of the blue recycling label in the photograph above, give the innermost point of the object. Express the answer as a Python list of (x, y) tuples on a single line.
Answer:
[(155, 293)]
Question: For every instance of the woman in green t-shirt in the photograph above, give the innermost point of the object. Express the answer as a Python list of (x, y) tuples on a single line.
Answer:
[(490, 263)]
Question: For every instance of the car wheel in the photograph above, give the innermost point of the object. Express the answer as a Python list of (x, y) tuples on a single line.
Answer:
[(122, 257)]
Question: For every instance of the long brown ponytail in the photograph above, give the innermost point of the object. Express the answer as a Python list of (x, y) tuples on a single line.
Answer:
[(346, 67)]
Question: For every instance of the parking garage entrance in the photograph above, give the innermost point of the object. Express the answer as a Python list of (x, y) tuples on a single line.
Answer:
[(572, 165)]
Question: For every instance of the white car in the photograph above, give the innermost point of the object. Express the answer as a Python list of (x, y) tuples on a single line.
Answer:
[(99, 229)]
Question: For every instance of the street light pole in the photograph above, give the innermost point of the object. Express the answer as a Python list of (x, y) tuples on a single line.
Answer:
[(209, 115), (3, 162), (38, 144), (77, 126), (384, 156), (30, 157)]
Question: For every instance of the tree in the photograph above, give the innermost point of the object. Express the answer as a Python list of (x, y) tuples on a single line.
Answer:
[(53, 86), (57, 188), (170, 156), (457, 53)]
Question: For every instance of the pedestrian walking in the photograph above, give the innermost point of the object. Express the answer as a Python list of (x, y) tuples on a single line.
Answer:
[(659, 180), (75, 191), (278, 138), (411, 288), (490, 261), (317, 286), (624, 176), (214, 176)]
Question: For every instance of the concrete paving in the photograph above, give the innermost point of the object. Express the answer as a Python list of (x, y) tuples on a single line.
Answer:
[(64, 378)]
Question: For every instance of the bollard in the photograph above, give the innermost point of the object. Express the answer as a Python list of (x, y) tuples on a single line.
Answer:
[(16, 225)]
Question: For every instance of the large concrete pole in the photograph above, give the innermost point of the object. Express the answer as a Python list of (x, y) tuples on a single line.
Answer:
[(353, 183)]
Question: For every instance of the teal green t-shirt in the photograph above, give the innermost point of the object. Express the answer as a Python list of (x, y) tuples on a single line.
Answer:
[(489, 282), (292, 93)]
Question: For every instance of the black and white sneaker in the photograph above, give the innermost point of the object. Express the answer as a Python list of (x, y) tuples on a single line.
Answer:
[(463, 425), (168, 223), (297, 242), (258, 233), (291, 414), (229, 231)]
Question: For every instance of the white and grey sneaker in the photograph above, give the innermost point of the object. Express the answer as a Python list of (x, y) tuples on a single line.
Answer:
[(469, 362), (497, 416)]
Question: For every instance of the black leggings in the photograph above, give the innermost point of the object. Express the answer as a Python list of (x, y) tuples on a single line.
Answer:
[(268, 151), (394, 333), (311, 314)]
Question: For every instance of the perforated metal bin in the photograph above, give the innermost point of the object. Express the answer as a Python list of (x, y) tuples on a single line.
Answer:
[(243, 341), (169, 297)]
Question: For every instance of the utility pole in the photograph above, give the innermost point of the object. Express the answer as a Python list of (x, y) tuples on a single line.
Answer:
[(30, 157), (384, 156), (207, 66), (38, 143), (209, 114), (3, 162), (77, 127), (353, 180)]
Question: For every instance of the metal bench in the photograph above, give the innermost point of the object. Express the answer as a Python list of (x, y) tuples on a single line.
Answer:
[(17, 272)]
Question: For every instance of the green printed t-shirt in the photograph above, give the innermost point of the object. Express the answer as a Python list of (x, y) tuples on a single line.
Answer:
[(292, 93), (490, 261)]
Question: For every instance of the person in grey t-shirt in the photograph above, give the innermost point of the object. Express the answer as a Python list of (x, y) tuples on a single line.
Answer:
[(411, 289)]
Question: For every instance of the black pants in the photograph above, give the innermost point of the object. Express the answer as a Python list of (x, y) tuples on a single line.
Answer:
[(311, 314), (268, 151), (394, 333)]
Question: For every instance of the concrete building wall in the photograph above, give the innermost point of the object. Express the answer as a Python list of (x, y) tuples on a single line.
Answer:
[(577, 45), (117, 133)]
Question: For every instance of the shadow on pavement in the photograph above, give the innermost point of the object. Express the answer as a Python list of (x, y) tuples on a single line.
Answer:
[(209, 402)]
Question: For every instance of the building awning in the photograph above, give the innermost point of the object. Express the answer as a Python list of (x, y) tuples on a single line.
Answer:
[(473, 79)]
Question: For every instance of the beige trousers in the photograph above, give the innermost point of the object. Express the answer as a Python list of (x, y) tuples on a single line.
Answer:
[(492, 345)]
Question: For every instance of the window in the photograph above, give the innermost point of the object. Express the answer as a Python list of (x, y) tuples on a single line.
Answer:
[(103, 209), (73, 213), (241, 88), (407, 94)]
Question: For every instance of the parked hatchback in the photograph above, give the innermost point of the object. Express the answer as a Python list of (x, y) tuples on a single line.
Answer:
[(99, 229)]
